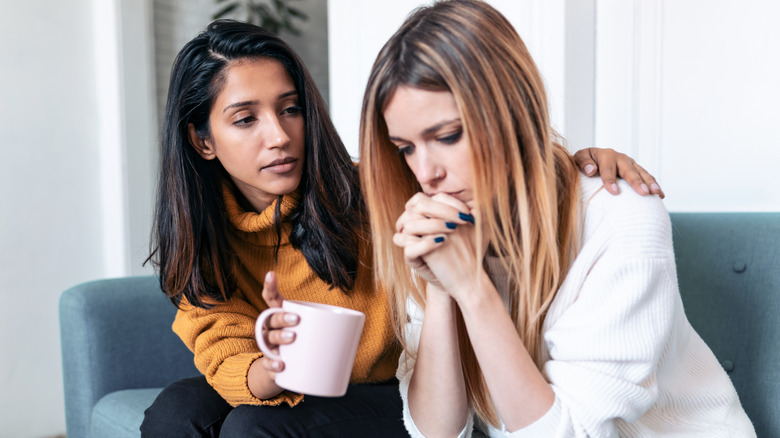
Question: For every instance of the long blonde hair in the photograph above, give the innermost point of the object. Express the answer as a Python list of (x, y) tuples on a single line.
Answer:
[(526, 184)]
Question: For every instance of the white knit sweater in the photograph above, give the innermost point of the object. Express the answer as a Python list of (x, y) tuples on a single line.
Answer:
[(620, 355)]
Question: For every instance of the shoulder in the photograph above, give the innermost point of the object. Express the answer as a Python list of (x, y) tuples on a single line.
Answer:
[(629, 221)]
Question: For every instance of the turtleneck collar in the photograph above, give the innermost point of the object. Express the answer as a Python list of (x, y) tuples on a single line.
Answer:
[(259, 227)]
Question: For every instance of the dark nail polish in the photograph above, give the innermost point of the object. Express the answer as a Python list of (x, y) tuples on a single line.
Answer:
[(451, 225), (466, 217), (439, 239)]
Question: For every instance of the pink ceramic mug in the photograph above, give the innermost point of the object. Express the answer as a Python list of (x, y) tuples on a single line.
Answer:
[(319, 361)]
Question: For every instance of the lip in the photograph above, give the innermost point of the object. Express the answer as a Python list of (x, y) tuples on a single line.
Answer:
[(453, 194), (281, 165)]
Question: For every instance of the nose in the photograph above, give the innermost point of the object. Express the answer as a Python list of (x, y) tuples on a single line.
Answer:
[(274, 135), (427, 168)]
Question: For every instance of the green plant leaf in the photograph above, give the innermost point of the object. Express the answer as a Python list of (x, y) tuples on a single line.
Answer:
[(262, 10), (225, 11), (274, 16), (297, 14)]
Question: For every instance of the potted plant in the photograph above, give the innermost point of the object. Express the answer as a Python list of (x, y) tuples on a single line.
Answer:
[(273, 15)]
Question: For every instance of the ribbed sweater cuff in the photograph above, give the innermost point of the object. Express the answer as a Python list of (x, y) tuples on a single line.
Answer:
[(547, 425), (234, 386)]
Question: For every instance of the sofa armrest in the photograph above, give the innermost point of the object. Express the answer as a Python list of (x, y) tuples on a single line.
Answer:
[(116, 334)]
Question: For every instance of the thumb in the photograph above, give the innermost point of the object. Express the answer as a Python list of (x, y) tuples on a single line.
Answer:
[(271, 294), (586, 162)]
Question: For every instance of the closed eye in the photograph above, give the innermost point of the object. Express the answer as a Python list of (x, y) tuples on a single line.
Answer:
[(406, 150), (451, 138)]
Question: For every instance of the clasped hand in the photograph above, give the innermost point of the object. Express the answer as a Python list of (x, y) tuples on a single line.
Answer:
[(438, 236)]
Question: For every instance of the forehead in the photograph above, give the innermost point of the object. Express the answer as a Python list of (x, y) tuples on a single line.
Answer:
[(258, 75), (410, 109)]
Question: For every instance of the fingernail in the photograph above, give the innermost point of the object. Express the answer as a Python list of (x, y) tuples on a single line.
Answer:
[(615, 188), (439, 239), (268, 276), (589, 169), (290, 318), (655, 187), (644, 188), (287, 336), (451, 225), (466, 217), (275, 365)]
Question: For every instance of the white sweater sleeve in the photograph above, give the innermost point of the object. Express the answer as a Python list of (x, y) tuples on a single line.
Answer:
[(605, 347), (617, 316), (406, 369)]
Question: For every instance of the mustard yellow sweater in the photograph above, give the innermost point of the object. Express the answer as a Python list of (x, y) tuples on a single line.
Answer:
[(223, 337)]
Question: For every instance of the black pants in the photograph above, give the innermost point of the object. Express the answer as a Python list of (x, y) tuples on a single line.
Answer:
[(192, 408)]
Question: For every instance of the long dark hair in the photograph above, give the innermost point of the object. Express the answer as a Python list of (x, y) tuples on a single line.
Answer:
[(189, 238)]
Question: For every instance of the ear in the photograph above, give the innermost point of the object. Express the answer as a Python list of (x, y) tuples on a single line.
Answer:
[(202, 146)]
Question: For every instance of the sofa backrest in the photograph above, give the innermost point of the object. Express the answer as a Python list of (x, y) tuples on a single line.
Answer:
[(116, 334), (728, 265)]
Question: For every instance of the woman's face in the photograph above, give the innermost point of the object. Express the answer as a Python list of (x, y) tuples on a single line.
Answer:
[(257, 130), (427, 129)]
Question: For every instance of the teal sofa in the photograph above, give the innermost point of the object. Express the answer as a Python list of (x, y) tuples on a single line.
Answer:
[(118, 350)]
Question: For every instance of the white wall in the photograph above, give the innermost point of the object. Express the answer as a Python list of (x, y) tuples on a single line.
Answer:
[(74, 181), (689, 88), (49, 186), (358, 29), (78, 135)]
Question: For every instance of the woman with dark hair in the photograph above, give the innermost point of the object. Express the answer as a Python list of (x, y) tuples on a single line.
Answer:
[(257, 193), (258, 200), (529, 301)]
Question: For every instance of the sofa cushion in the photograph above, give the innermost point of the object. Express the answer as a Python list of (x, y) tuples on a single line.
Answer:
[(119, 414)]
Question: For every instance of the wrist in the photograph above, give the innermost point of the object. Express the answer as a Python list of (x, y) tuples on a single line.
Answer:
[(475, 295), (261, 382), (435, 292)]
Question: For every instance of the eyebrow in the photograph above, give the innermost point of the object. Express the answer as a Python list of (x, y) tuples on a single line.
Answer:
[(431, 129), (254, 102)]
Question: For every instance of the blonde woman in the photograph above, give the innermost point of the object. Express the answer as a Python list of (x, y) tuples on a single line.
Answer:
[(526, 296)]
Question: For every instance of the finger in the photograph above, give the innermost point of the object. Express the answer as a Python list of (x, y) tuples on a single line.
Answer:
[(281, 337), (403, 240), (405, 217), (413, 258), (610, 182), (450, 200), (272, 366), (423, 247), (429, 208), (585, 162), (465, 214), (628, 170), (606, 163), (271, 293), (655, 188), (281, 320), (426, 227)]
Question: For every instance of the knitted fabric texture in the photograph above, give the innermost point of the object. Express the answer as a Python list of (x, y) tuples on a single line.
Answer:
[(222, 338)]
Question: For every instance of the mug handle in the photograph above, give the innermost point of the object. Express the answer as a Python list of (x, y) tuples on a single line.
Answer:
[(264, 315)]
